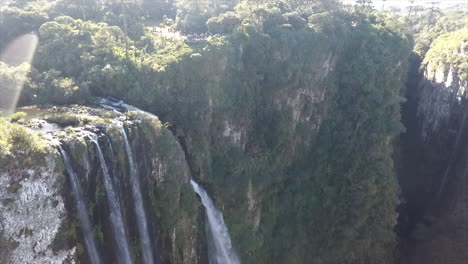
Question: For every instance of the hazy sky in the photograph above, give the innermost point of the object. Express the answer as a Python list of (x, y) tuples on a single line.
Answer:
[(405, 3)]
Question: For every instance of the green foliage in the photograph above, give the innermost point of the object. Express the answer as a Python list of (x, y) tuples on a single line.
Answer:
[(51, 87), (76, 58), (15, 22), (427, 31), (18, 117), (188, 200), (340, 199), (85, 9), (295, 20), (223, 24), (307, 7), (448, 50), (193, 15), (157, 9), (65, 45), (313, 94), (193, 21), (64, 119), (361, 131), (72, 117), (11, 82), (20, 144)]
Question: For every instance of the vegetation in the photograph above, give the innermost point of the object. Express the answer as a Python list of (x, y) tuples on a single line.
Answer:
[(18, 117), (448, 50), (64, 119), (20, 144), (426, 29), (296, 101), (11, 79)]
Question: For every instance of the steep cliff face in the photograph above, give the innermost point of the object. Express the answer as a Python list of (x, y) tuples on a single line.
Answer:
[(435, 145), (252, 117), (40, 220), (440, 93), (32, 212), (275, 126), (244, 112), (287, 122)]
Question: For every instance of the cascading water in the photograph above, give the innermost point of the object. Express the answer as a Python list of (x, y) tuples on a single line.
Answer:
[(115, 210), (82, 212), (219, 242), (220, 248), (139, 208)]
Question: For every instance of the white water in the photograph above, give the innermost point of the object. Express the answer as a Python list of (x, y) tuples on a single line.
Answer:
[(82, 212), (220, 249), (139, 208), (115, 210), (119, 105)]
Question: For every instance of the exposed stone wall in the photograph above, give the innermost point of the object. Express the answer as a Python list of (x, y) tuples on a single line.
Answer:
[(440, 235), (31, 213), (38, 218), (440, 93)]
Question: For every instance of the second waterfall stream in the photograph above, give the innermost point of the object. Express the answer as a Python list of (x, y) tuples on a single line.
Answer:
[(116, 212), (82, 211), (138, 200), (220, 249)]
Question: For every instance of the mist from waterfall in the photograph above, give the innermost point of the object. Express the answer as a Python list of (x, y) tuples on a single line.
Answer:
[(138, 200), (220, 249), (81, 208), (118, 226)]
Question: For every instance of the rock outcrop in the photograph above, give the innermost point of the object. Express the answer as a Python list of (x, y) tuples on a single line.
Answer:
[(39, 222), (435, 185), (32, 212)]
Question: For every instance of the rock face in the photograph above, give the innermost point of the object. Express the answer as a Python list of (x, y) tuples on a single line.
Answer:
[(39, 220), (273, 124), (248, 111), (246, 135), (436, 186), (32, 211), (440, 93)]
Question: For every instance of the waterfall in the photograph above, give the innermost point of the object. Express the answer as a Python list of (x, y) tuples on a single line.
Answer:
[(115, 211), (82, 212), (220, 248), (219, 243), (138, 200)]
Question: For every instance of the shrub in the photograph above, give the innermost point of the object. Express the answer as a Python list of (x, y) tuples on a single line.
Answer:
[(448, 51), (17, 140), (295, 20), (223, 24), (64, 119), (18, 117)]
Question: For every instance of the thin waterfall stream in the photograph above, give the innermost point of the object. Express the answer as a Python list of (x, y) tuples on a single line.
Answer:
[(81, 208), (138, 200), (118, 226), (220, 249)]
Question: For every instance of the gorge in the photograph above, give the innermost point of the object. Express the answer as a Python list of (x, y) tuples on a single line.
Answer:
[(230, 132)]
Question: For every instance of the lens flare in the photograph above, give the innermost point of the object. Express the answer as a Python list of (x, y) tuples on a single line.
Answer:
[(15, 63)]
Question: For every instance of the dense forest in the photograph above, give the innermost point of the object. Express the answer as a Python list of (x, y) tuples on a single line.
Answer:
[(325, 132)]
